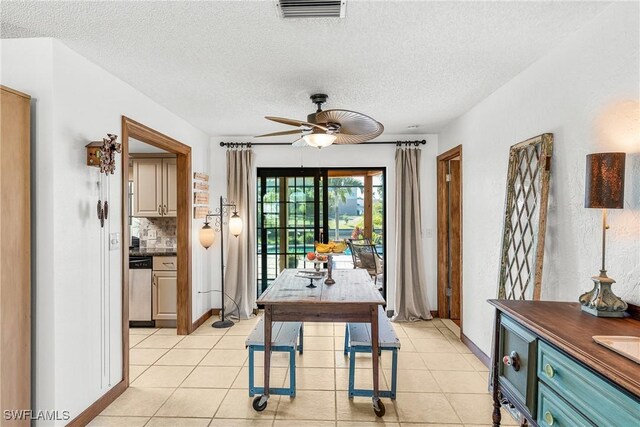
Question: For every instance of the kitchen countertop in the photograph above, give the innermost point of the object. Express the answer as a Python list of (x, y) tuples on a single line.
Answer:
[(152, 252)]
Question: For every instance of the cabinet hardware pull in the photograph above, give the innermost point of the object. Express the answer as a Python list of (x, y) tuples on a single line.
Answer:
[(512, 360), (165, 210), (159, 209), (548, 418), (549, 371)]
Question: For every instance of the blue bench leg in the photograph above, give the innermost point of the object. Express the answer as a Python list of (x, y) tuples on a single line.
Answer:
[(346, 339), (301, 340), (292, 373), (352, 372), (394, 373), (252, 390)]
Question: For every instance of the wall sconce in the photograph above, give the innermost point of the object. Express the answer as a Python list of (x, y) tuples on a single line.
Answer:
[(604, 189), (207, 238)]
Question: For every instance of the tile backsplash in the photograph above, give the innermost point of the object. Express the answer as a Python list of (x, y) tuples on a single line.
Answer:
[(165, 230)]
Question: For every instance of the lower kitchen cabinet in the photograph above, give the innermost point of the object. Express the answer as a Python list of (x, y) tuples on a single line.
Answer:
[(165, 294)]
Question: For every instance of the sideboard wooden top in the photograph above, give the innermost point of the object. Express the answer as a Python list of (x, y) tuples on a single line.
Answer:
[(569, 328), (352, 286)]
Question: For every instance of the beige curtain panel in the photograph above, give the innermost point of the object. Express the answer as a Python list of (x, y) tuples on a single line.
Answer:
[(411, 285), (240, 274)]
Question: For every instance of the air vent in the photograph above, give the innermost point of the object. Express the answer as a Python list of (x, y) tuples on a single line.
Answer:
[(311, 8)]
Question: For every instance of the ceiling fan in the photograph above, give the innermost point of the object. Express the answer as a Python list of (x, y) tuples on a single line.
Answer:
[(324, 128)]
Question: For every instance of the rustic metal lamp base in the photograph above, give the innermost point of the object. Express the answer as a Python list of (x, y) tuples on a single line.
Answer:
[(601, 301), (222, 324)]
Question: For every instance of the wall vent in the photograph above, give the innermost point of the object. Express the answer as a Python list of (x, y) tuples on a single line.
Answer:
[(311, 8)]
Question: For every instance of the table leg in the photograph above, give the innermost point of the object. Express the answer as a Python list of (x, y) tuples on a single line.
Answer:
[(267, 348), (378, 407)]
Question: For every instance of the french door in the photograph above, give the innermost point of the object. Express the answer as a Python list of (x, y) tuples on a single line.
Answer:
[(292, 215), (297, 207)]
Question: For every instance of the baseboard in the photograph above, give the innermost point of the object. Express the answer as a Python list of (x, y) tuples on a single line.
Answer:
[(476, 350), (390, 313), (98, 406), (200, 320)]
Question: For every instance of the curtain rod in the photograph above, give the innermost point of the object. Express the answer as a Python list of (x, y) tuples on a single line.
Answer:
[(252, 144)]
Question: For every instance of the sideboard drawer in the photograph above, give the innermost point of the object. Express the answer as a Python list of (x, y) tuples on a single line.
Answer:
[(553, 411), (518, 378), (603, 403)]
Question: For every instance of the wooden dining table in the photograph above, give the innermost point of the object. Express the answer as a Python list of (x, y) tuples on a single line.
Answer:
[(353, 298)]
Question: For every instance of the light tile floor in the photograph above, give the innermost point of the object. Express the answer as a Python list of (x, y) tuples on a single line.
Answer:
[(202, 380)]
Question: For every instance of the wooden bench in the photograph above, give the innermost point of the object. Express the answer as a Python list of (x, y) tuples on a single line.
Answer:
[(357, 339), (286, 337)]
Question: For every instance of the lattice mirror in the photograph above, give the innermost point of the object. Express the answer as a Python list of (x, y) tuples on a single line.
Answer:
[(525, 218)]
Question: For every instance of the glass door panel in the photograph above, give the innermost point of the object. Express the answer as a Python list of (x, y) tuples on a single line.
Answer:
[(297, 207), (289, 220)]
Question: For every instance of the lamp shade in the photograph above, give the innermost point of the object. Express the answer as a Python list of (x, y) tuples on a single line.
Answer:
[(235, 224), (207, 236), (604, 182)]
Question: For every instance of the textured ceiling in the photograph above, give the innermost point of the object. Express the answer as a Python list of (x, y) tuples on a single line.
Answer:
[(222, 66)]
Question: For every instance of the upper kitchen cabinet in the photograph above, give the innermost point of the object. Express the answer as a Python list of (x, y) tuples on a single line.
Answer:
[(154, 187), (170, 187)]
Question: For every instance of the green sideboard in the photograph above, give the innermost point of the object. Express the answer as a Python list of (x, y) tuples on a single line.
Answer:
[(548, 371)]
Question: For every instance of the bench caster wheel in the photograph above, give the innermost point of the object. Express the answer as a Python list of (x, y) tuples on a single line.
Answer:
[(378, 407), (260, 403)]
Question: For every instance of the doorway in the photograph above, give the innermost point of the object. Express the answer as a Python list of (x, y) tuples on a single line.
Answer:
[(449, 213), (299, 206), (134, 130)]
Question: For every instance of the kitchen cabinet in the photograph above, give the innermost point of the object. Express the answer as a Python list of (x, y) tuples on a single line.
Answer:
[(170, 187), (165, 293), (155, 187), (165, 288)]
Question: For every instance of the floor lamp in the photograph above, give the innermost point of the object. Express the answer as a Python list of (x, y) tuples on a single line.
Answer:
[(207, 237)]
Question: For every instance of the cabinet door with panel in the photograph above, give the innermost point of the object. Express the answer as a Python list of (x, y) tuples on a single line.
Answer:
[(147, 191), (164, 295), (169, 187)]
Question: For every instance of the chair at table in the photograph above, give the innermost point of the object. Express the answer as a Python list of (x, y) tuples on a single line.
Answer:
[(368, 259), (350, 243)]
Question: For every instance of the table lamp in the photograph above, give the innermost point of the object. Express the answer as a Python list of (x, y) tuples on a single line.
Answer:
[(604, 189)]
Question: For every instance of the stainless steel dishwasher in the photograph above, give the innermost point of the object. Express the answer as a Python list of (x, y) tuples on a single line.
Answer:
[(140, 291)]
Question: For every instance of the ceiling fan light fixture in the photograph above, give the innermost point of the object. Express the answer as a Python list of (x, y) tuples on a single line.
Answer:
[(320, 140)]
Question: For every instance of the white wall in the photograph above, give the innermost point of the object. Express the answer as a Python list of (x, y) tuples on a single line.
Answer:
[(352, 156), (75, 102), (585, 92)]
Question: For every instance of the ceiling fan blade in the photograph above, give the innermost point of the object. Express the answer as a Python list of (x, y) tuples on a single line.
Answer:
[(284, 132), (293, 122), (285, 121)]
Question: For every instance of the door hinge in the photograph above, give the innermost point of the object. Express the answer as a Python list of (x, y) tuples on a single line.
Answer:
[(447, 177), (448, 292)]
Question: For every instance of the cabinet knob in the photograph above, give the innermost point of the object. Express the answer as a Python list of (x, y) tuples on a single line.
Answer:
[(549, 371), (512, 359), (548, 418)]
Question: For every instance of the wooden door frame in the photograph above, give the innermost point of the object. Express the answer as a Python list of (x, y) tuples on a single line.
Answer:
[(134, 129), (442, 225)]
